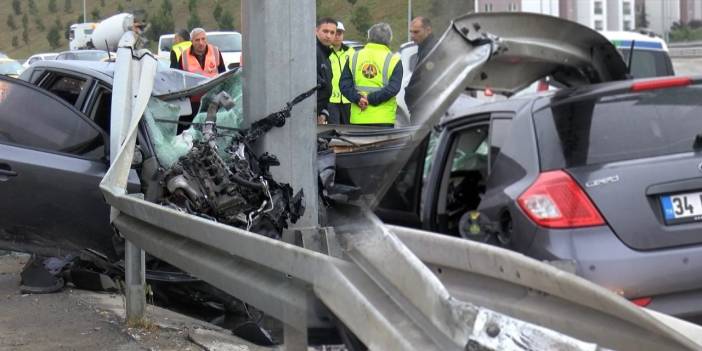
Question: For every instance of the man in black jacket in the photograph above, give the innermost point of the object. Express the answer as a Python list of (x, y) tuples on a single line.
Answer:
[(326, 29)]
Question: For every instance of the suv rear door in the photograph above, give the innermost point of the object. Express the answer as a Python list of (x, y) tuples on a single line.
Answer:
[(637, 155), (52, 159)]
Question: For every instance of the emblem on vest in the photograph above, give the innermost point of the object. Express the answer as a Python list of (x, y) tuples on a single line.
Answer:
[(369, 70)]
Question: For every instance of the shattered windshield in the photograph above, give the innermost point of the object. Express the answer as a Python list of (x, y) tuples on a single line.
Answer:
[(162, 119)]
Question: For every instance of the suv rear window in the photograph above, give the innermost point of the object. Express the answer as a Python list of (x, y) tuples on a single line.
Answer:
[(619, 127)]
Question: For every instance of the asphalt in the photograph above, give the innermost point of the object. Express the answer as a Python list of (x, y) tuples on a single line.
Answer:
[(83, 320)]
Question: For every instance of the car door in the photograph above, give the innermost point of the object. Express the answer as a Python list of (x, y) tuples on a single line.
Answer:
[(52, 158)]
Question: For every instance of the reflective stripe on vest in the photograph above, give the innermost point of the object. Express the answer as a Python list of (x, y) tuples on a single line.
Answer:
[(180, 48), (338, 62), (191, 64), (369, 77)]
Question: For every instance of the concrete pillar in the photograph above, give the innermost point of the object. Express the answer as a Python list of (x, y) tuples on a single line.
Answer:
[(279, 64)]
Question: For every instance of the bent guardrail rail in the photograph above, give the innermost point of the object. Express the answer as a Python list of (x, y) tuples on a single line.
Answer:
[(395, 288)]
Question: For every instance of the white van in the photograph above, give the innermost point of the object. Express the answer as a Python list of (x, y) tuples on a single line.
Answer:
[(229, 44), (650, 57)]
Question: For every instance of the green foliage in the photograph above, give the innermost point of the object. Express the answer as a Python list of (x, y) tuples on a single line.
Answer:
[(53, 37), (102, 3), (52, 6), (80, 18), (11, 22), (217, 12), (352, 2), (226, 21), (95, 15), (192, 7), (685, 33), (39, 24), (17, 7), (361, 18), (68, 6), (32, 6), (25, 36), (162, 23), (15, 41), (194, 20), (120, 8), (25, 21)]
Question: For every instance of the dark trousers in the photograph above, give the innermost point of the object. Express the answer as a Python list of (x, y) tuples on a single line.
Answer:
[(339, 113)]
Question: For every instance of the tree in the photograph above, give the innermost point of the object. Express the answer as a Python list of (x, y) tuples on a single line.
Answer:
[(53, 37), (102, 3), (11, 22), (52, 6), (68, 6), (17, 7), (361, 18), (120, 8), (352, 2), (226, 21), (32, 6), (39, 24), (162, 24), (192, 6), (25, 21), (95, 14), (25, 36), (194, 20), (217, 12), (15, 41)]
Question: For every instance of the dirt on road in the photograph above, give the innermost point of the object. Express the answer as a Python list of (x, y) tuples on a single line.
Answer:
[(80, 320)]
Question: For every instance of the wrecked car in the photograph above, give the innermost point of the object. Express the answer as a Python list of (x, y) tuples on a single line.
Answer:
[(60, 148), (599, 179)]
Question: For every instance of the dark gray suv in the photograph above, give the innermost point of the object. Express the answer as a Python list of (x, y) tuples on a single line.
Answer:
[(603, 180)]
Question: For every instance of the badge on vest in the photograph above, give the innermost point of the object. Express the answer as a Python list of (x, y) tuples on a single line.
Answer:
[(369, 70)]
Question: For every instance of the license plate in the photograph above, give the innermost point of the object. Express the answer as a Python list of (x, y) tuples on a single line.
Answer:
[(682, 208)]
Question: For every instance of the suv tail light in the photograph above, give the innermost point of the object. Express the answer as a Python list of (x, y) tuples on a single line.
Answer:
[(661, 83), (555, 200)]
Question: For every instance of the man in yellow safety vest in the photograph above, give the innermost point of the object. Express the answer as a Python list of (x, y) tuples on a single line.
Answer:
[(372, 78), (181, 41), (339, 106)]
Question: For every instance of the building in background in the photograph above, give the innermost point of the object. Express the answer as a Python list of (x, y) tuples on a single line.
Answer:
[(661, 14), (597, 14)]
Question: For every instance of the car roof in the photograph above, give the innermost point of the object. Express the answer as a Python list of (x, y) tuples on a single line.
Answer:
[(623, 39), (167, 80), (84, 51), (512, 104)]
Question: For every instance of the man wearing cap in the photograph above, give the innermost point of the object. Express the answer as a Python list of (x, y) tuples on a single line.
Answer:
[(201, 58), (181, 41), (372, 78), (339, 106)]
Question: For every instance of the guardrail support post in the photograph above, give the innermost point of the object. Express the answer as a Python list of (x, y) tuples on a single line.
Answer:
[(135, 282)]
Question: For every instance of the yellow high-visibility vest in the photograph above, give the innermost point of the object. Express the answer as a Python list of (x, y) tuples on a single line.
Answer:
[(180, 47), (338, 62), (371, 68)]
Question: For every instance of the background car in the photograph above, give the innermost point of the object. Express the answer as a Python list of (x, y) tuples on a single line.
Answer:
[(650, 57), (229, 44), (85, 55), (10, 67), (39, 57)]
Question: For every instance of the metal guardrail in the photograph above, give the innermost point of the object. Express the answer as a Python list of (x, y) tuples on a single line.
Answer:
[(395, 288), (685, 51)]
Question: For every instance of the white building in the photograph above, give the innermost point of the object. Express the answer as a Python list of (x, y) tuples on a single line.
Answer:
[(661, 14), (546, 7)]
